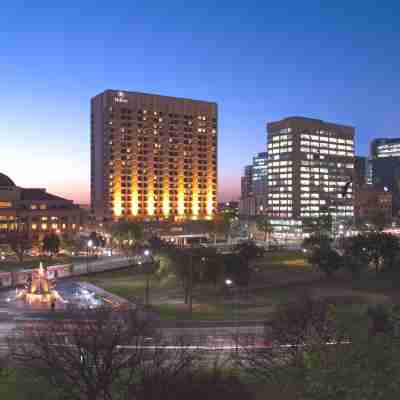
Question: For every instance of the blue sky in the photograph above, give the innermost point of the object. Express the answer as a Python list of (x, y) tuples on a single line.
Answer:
[(259, 60)]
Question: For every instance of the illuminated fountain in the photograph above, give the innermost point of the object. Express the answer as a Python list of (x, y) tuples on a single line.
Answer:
[(40, 290)]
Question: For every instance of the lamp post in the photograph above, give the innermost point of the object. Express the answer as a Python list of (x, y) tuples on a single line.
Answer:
[(229, 282), (89, 246), (146, 253)]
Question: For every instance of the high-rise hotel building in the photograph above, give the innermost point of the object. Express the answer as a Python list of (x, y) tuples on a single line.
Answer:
[(309, 162), (153, 156)]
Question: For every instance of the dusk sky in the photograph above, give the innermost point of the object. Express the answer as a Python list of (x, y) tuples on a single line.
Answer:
[(337, 61)]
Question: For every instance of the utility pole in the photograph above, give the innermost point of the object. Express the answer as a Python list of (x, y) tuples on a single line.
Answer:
[(148, 266), (191, 283)]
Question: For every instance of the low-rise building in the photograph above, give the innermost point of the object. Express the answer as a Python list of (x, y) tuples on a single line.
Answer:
[(36, 212), (370, 199)]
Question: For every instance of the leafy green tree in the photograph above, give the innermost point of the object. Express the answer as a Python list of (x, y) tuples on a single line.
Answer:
[(127, 234), (264, 225), (238, 268), (20, 243), (376, 248), (51, 244), (317, 240), (321, 225), (326, 259), (249, 250), (222, 225), (321, 255)]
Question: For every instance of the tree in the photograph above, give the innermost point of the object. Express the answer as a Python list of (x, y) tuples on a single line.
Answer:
[(264, 225), (317, 240), (238, 268), (127, 234), (376, 248), (221, 225), (326, 259), (249, 251), (213, 269), (51, 244), (103, 354), (321, 225), (97, 240), (290, 332), (20, 243), (321, 255)]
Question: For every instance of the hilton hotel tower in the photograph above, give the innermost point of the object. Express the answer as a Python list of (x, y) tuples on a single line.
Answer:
[(153, 156)]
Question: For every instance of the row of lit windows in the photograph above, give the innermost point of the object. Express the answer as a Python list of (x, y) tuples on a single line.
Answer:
[(280, 195), (305, 202), (324, 144), (329, 152), (279, 163), (276, 137), (281, 150), (282, 169), (280, 182), (280, 202), (326, 138), (284, 143), (316, 214)]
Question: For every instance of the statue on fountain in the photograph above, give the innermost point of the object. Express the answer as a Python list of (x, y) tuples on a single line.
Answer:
[(39, 289)]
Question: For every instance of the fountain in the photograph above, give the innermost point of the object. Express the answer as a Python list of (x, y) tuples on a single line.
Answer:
[(39, 289)]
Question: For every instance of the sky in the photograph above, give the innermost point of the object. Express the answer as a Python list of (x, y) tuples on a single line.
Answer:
[(259, 60)]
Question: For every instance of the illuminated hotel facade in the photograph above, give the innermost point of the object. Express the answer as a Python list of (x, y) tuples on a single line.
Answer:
[(153, 156), (309, 162)]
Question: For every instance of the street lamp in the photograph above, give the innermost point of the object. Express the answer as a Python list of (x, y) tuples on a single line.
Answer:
[(146, 253), (89, 246), (229, 282)]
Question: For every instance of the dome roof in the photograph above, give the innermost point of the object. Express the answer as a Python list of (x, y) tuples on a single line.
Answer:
[(5, 181)]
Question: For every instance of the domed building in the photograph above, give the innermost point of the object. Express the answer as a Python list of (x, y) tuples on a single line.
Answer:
[(35, 211)]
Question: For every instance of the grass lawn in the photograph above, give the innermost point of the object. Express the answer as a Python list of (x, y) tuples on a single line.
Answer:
[(167, 299), (290, 259), (281, 277)]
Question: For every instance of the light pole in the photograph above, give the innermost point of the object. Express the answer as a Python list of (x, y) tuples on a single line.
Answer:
[(146, 253), (229, 282), (89, 246)]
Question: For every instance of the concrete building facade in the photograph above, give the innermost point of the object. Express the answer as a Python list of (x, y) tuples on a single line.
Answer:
[(309, 163), (153, 157), (36, 212), (253, 199), (385, 167)]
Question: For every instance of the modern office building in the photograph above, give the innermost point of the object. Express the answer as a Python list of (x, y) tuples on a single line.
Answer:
[(247, 182), (36, 212), (360, 171), (253, 200), (153, 157), (309, 163), (382, 148), (385, 167)]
